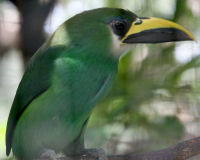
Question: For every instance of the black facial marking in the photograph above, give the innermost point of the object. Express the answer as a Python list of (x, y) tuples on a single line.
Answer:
[(120, 27)]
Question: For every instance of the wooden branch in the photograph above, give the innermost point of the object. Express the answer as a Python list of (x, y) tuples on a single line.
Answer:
[(182, 151)]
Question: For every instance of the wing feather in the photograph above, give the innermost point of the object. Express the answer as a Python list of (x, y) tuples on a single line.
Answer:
[(35, 81)]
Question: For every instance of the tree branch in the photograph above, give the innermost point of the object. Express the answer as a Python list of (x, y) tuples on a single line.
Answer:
[(182, 151)]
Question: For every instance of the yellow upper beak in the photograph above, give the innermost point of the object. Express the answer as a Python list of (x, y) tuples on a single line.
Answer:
[(155, 30)]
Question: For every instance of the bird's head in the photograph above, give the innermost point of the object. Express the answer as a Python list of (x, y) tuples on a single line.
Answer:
[(113, 30)]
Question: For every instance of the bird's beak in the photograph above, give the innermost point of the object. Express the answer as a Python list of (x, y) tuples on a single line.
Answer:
[(155, 30)]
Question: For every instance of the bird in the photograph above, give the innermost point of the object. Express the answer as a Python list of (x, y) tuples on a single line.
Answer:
[(71, 73)]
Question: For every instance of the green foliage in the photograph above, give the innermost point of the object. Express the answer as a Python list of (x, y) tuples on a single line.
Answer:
[(141, 84), (113, 3), (136, 88)]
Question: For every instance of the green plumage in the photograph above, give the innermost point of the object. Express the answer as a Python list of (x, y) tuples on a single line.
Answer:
[(54, 119), (66, 78), (61, 85)]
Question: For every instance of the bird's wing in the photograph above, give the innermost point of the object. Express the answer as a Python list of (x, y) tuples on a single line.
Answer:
[(35, 81)]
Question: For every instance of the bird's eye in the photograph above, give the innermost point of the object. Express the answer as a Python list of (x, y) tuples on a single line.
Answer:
[(119, 27)]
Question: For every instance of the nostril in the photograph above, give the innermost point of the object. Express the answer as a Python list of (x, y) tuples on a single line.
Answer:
[(138, 21)]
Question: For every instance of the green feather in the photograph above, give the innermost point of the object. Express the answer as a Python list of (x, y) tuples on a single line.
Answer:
[(64, 80), (75, 87), (67, 77), (37, 80)]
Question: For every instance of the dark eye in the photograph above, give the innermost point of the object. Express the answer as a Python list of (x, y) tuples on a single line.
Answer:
[(119, 27)]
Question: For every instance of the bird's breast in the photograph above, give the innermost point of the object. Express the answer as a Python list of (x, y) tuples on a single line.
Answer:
[(81, 85)]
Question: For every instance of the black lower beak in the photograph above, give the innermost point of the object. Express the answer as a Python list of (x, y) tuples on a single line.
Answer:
[(158, 36), (156, 30)]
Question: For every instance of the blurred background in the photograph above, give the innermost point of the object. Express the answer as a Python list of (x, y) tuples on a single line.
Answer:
[(155, 101)]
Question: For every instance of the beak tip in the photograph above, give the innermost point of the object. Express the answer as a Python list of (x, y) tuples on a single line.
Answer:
[(192, 38)]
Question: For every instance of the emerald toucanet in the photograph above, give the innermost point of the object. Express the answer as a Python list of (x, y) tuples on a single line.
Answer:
[(71, 73)]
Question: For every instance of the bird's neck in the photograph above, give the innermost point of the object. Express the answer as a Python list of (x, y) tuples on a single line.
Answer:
[(99, 58)]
